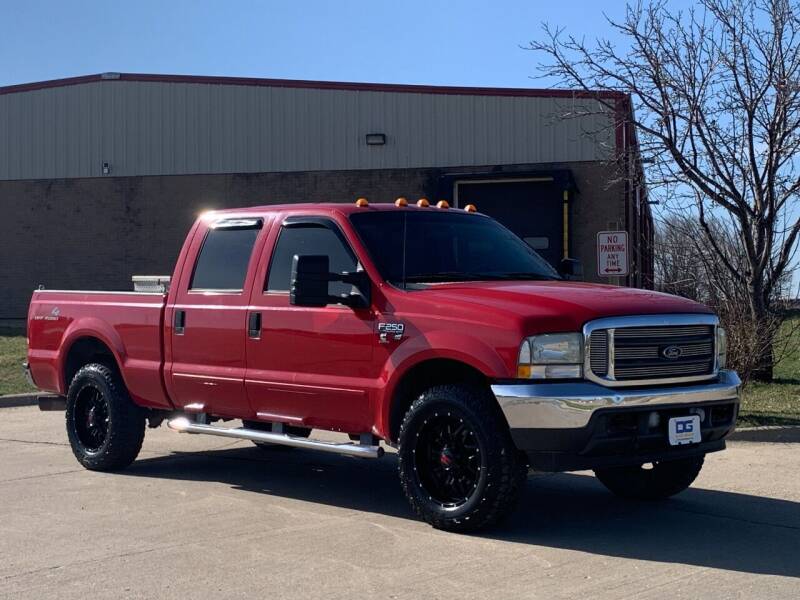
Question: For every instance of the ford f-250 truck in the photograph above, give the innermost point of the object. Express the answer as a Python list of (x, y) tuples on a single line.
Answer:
[(433, 330)]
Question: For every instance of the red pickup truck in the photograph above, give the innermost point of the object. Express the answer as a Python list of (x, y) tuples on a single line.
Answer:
[(432, 330)]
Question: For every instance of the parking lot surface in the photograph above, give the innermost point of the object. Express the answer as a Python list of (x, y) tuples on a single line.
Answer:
[(198, 517)]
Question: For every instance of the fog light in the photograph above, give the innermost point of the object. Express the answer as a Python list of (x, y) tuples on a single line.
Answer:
[(653, 420)]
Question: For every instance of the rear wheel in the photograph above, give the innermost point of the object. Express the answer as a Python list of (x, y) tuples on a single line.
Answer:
[(652, 482), (105, 428), (458, 465), (303, 432)]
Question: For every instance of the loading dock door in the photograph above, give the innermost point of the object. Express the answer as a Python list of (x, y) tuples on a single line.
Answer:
[(533, 209)]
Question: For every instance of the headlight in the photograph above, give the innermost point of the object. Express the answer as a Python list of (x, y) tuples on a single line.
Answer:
[(551, 356), (722, 348)]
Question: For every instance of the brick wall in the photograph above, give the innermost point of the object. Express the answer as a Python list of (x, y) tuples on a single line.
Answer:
[(95, 233)]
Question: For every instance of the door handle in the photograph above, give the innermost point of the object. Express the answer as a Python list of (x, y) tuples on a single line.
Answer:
[(180, 322), (254, 325)]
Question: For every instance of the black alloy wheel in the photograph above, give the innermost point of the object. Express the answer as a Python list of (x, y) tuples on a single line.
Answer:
[(447, 458), (91, 418), (458, 465), (104, 426)]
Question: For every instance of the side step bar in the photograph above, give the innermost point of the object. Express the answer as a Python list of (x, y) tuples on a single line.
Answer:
[(184, 425)]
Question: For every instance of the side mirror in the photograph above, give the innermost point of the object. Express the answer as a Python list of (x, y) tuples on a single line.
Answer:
[(311, 276), (309, 283), (571, 268)]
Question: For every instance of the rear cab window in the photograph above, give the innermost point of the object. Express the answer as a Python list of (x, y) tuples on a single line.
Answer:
[(224, 257)]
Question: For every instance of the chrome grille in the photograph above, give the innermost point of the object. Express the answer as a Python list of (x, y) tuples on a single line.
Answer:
[(599, 354), (630, 354)]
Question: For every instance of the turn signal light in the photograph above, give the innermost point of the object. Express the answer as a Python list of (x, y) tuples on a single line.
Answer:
[(470, 208), (442, 204), (362, 202), (401, 202), (423, 203)]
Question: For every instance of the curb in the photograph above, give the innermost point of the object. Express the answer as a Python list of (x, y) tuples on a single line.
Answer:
[(14, 400), (771, 433)]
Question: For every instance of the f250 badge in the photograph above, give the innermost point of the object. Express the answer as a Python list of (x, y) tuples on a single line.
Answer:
[(390, 331)]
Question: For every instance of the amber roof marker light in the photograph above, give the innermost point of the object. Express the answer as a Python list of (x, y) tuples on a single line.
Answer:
[(401, 202), (442, 204), (470, 208), (362, 203), (423, 203)]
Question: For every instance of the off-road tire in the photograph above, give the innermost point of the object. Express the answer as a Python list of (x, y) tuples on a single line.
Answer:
[(502, 469), (289, 429), (124, 421), (663, 480)]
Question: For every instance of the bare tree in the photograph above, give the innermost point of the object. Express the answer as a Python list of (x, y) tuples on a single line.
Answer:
[(717, 97), (687, 266)]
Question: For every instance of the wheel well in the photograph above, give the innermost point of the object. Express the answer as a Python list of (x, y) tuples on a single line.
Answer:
[(85, 351), (421, 376)]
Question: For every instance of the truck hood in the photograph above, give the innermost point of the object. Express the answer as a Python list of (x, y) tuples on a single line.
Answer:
[(558, 303)]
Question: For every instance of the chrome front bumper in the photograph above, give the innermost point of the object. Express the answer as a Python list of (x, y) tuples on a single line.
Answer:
[(571, 405)]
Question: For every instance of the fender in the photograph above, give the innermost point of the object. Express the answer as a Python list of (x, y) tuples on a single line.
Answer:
[(93, 327), (438, 344)]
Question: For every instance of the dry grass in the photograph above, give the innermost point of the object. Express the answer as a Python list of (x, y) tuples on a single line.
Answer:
[(778, 402)]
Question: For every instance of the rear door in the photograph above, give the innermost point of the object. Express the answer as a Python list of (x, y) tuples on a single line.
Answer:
[(308, 365), (208, 322)]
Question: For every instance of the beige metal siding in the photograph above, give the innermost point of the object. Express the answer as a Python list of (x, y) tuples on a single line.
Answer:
[(149, 128)]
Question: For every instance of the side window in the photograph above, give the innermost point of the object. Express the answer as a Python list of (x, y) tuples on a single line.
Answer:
[(225, 255), (309, 239)]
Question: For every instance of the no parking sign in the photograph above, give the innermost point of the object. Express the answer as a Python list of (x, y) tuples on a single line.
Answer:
[(612, 253)]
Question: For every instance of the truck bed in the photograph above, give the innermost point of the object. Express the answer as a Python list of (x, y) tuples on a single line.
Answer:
[(59, 319)]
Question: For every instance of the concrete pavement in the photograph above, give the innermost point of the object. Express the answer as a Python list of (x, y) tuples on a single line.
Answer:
[(199, 517)]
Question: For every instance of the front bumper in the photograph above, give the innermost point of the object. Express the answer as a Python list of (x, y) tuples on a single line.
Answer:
[(583, 425)]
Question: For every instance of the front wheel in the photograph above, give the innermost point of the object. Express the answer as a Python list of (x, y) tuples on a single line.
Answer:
[(660, 480), (458, 466), (105, 428)]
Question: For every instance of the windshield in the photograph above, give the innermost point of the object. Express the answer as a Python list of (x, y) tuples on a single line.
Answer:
[(410, 246)]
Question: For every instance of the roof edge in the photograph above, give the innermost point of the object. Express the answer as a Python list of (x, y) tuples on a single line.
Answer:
[(319, 85)]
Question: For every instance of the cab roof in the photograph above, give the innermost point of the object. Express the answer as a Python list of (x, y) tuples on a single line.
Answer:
[(346, 209)]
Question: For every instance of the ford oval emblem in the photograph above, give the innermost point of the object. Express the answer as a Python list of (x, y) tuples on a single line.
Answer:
[(672, 352)]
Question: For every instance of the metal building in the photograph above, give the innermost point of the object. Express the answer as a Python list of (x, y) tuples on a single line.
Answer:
[(100, 176)]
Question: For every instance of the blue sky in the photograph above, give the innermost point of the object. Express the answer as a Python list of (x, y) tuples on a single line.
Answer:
[(435, 42), (460, 43)]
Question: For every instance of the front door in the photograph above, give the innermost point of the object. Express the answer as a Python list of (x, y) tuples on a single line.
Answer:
[(306, 365), (208, 320)]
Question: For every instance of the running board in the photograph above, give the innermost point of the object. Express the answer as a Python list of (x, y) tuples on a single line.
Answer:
[(184, 425)]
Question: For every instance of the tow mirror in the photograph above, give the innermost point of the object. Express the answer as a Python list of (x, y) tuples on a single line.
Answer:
[(311, 276), (309, 283), (571, 268)]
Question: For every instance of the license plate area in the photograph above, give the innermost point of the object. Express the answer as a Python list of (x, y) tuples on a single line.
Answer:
[(684, 430)]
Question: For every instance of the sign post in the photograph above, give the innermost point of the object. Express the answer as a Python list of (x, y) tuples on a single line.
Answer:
[(612, 253)]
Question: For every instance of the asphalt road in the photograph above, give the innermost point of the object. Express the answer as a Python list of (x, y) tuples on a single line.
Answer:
[(199, 517)]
